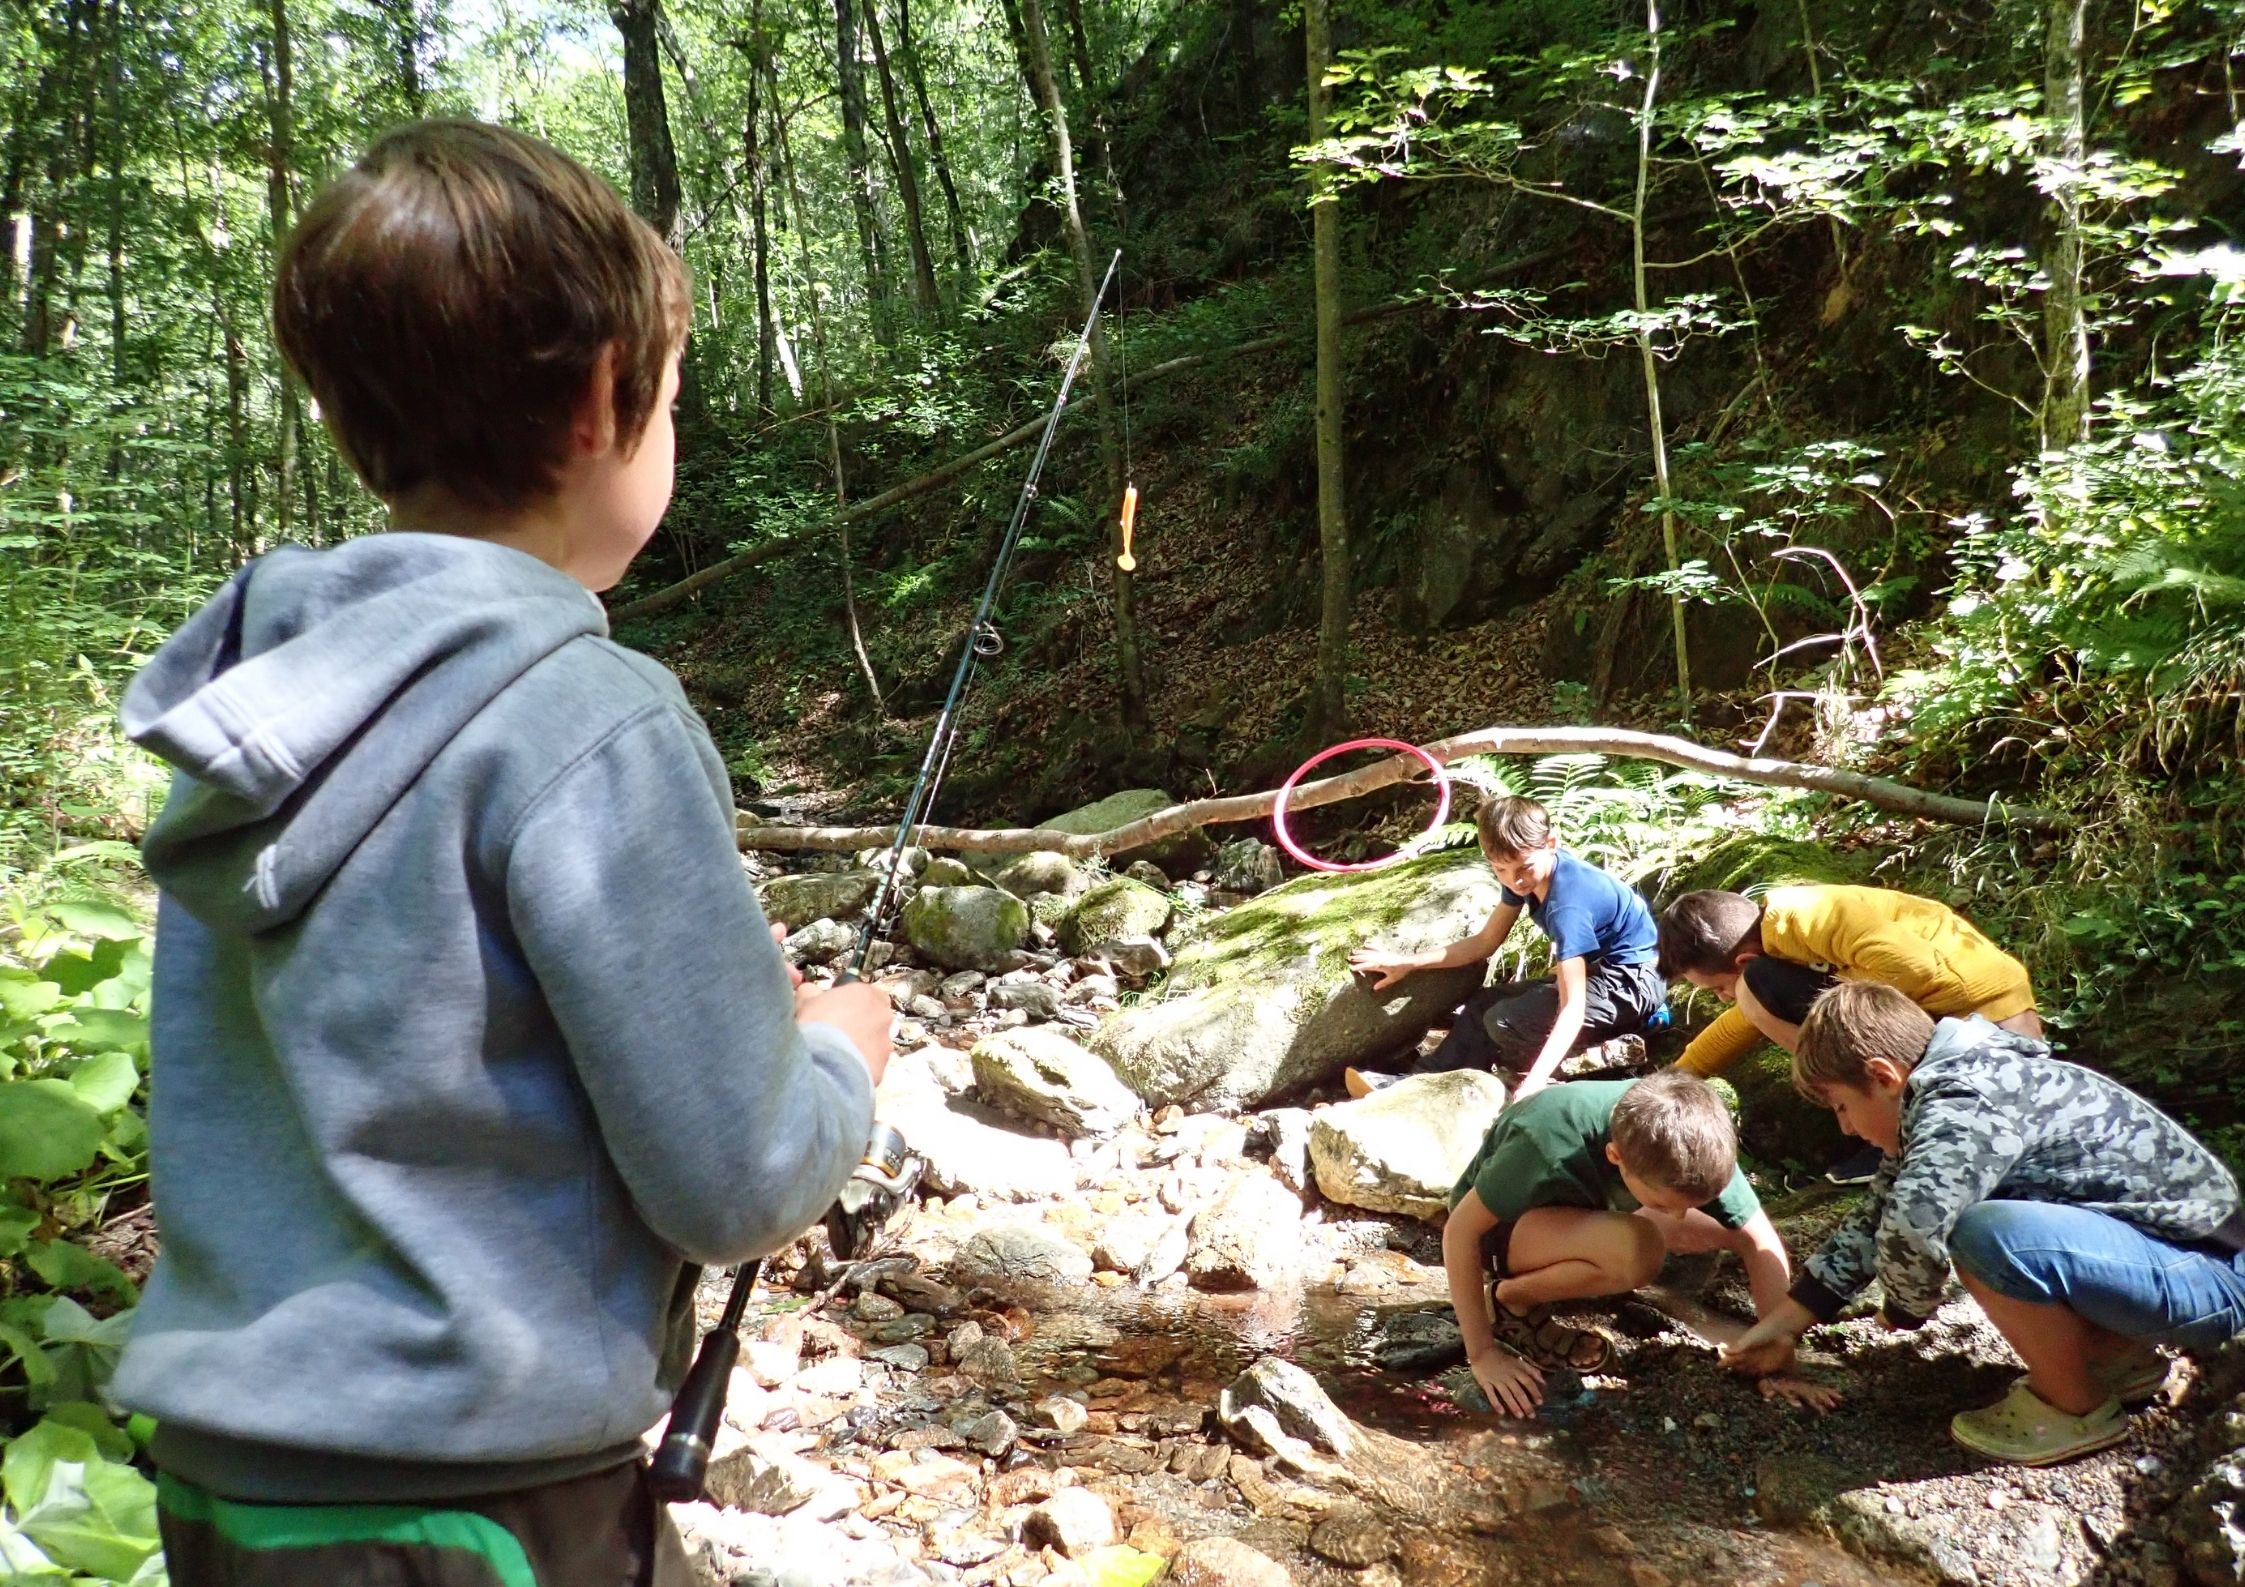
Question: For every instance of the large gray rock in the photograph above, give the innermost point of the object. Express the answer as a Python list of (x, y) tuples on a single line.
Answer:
[(1019, 1254), (796, 901), (820, 941), (1037, 1073), (966, 928), (1261, 1002), (1248, 866), (1040, 871), (965, 1145), (1249, 1238), (1402, 1148), (1301, 1408), (735, 1547), (1114, 911), (1178, 855)]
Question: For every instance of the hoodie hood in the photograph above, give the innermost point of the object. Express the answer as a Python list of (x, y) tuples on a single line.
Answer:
[(301, 703)]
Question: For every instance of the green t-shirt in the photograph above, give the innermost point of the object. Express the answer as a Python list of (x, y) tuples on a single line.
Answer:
[(1550, 1151)]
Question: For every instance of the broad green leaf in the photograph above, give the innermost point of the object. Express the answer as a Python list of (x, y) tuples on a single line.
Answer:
[(106, 1080), (99, 918), (79, 973), (28, 1465), (95, 1422), (90, 1029), (47, 1130), (17, 1221), (22, 1560), (24, 994), (38, 1371), (71, 1267), (94, 1514)]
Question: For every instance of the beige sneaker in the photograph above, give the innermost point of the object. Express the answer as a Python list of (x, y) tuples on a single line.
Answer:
[(2028, 1430)]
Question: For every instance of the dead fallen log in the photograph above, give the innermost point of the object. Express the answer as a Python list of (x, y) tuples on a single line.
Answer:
[(1881, 792)]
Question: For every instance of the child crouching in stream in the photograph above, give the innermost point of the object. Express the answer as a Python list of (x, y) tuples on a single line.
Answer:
[(2088, 1225), (1580, 1191)]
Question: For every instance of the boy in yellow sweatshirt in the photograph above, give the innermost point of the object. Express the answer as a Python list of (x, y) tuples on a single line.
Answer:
[(1771, 958)]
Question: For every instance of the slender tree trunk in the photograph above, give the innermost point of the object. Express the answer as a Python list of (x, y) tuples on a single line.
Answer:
[(759, 209), (1039, 67), (2065, 311), (113, 97), (1656, 427), (48, 208), (411, 36), (1328, 699), (654, 161), (1095, 99), (924, 292), (826, 400), (962, 252), (280, 154), (850, 78)]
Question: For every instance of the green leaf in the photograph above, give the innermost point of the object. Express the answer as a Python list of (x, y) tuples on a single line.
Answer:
[(47, 1130), (24, 994), (106, 1080), (79, 973), (16, 1223), (22, 1560), (95, 1422), (96, 1515), (38, 1371), (70, 1267), (91, 1029), (98, 918)]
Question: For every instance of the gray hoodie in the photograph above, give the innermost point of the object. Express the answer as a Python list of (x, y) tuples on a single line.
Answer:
[(468, 1032)]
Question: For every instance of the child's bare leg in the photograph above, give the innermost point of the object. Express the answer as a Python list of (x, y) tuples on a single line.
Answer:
[(2056, 1342), (2027, 1024), (1783, 1032), (1690, 1233), (1571, 1253)]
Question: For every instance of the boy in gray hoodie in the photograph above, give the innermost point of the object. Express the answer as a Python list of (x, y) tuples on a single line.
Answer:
[(2088, 1225), (469, 1035)]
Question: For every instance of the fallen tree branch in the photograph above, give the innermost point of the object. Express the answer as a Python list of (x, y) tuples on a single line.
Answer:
[(1882, 792)]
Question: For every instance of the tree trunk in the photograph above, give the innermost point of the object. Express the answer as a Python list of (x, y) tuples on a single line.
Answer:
[(1657, 429), (759, 206), (924, 291), (654, 161), (2065, 314), (1880, 792), (962, 252), (113, 97), (47, 207), (411, 36), (1039, 65), (1094, 99), (1328, 697), (280, 153), (851, 79)]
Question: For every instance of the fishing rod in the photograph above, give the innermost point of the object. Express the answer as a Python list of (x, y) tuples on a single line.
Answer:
[(888, 1172)]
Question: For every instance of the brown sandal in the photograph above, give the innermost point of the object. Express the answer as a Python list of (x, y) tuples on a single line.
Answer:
[(1537, 1336)]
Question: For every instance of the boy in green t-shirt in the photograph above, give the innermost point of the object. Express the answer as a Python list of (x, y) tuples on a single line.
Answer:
[(1582, 1190)]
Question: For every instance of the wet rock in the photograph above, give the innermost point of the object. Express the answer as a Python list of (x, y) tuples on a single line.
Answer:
[(1177, 855), (1248, 866), (1116, 909), (1167, 1257), (1127, 1240), (1028, 875), (1293, 1400), (1074, 1521), (736, 1548), (966, 1148), (1200, 1462), (1285, 1134), (1136, 959), (873, 1306), (769, 1480), (1402, 1148), (1063, 1415), (994, 1433), (905, 1358), (1040, 1074), (819, 942), (1261, 1001), (796, 901), (1251, 1238), (944, 871), (1037, 999), (1352, 1535), (922, 1294), (1225, 1562), (966, 928), (1019, 1254), (1147, 873), (961, 987), (990, 1363)]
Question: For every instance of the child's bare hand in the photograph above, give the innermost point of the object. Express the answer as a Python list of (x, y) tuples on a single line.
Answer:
[(1760, 1351), (1385, 968), (779, 939), (1800, 1393), (1514, 1385), (861, 1011)]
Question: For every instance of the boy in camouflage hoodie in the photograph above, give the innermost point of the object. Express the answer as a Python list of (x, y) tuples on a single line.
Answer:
[(2085, 1222)]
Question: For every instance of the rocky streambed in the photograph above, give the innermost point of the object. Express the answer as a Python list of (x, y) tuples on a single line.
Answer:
[(1118, 1340)]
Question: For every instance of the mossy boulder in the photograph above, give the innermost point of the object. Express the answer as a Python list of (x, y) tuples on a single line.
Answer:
[(1117, 908), (966, 928), (1757, 860), (1261, 1001), (1039, 871), (796, 901), (1775, 1122), (1178, 855)]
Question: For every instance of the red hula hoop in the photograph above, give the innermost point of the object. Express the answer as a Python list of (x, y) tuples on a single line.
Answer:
[(1303, 856)]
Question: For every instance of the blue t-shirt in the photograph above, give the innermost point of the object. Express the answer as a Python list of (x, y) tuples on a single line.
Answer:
[(1589, 915)]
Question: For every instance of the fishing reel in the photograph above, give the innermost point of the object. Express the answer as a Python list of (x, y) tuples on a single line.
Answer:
[(883, 1181)]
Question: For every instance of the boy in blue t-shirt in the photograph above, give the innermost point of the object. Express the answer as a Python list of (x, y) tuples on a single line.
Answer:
[(1605, 979)]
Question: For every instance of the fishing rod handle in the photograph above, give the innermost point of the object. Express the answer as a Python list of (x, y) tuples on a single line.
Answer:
[(681, 1463)]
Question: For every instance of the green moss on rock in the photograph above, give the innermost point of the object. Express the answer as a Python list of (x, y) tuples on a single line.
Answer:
[(1117, 908)]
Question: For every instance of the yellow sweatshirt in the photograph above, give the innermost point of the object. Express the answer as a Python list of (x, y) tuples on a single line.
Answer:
[(1925, 950)]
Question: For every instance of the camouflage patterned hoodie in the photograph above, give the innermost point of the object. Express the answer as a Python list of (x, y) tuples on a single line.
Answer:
[(1990, 1116)]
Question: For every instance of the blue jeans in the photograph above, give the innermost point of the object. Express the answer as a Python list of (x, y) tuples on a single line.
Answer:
[(2110, 1272)]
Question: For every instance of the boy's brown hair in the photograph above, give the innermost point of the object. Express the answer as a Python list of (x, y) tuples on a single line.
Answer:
[(1850, 1024), (1513, 826), (447, 297), (1672, 1130), (1706, 931)]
